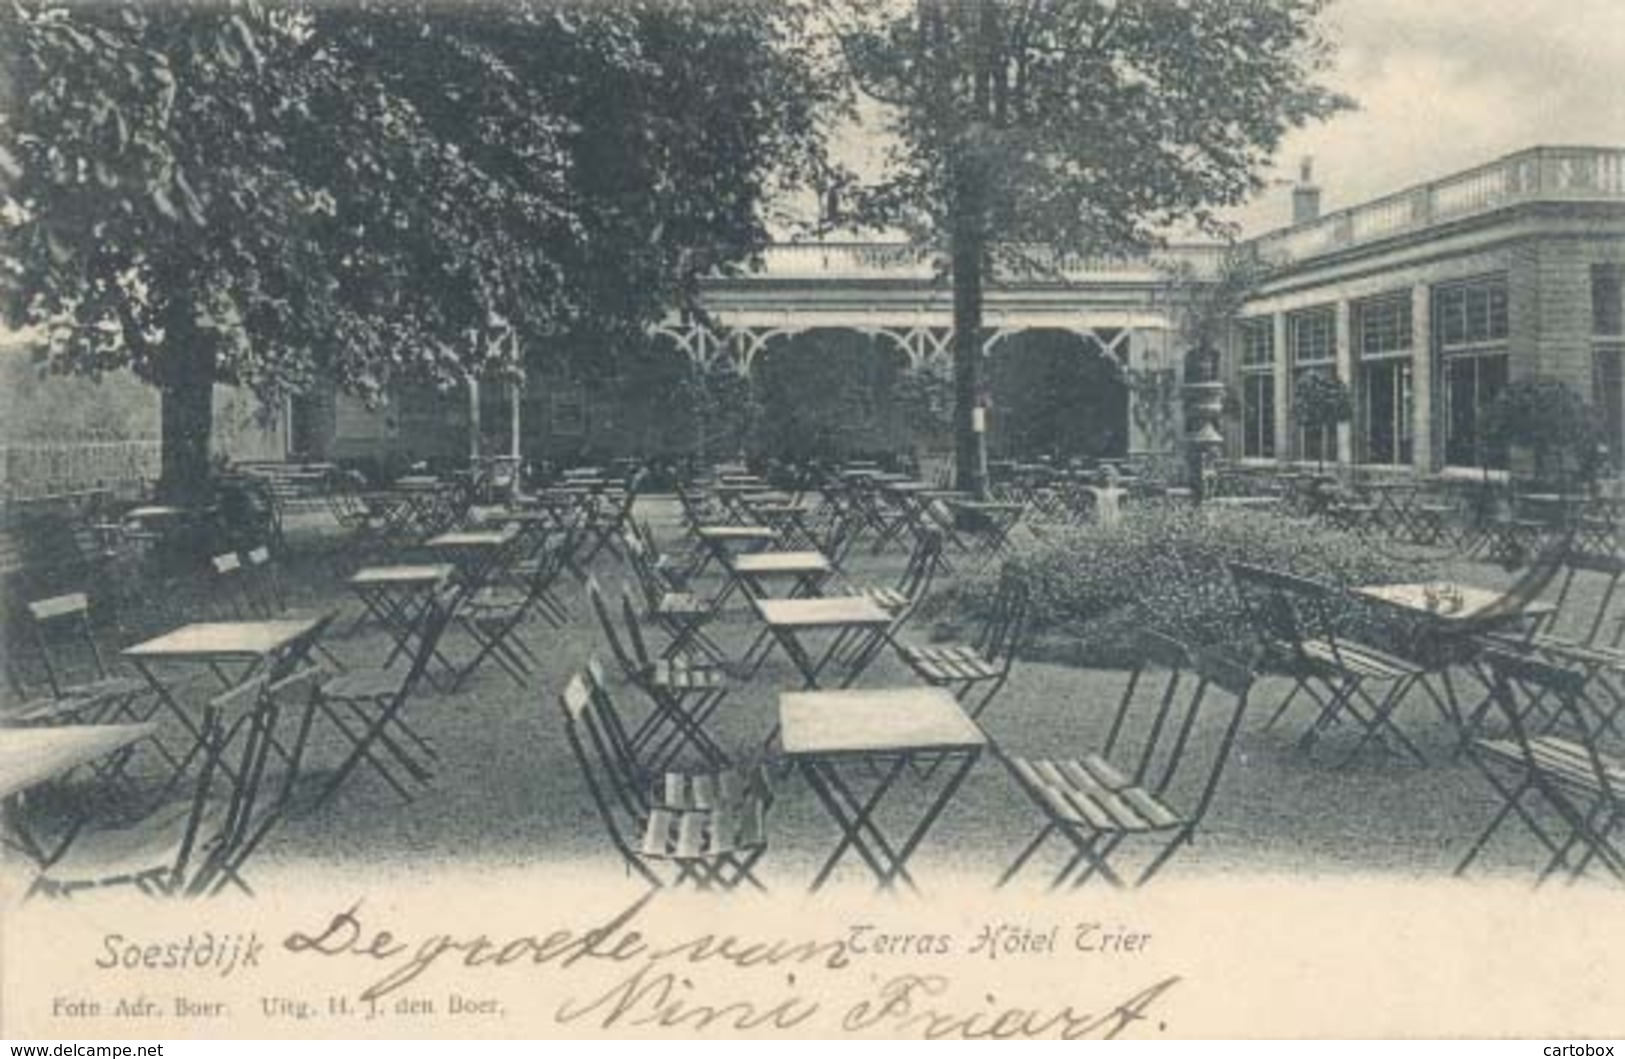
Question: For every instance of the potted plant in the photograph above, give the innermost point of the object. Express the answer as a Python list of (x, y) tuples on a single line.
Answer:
[(1320, 401), (1562, 432)]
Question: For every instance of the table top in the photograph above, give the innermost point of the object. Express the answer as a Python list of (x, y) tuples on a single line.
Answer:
[(224, 639), (1449, 601), (146, 511), (806, 562), (986, 505), (824, 612), (1245, 501), (471, 539), (33, 755), (874, 720), (406, 574), (911, 485), (737, 533)]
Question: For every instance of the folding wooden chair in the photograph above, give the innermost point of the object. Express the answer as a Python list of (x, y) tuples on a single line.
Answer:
[(266, 580), (1297, 623), (367, 706), (230, 596), (1096, 805), (681, 613), (682, 694), (494, 616), (153, 854), (915, 580), (1578, 776), (671, 788), (904, 597), (982, 666), (605, 528), (1583, 629), (80, 687), (707, 844), (259, 799)]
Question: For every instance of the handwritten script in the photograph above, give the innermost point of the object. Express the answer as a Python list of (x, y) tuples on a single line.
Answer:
[(721, 982)]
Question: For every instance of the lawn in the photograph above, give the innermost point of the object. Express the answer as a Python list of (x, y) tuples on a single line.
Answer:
[(508, 793)]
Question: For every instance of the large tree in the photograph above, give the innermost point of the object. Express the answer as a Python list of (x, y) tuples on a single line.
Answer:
[(1025, 129), (271, 195)]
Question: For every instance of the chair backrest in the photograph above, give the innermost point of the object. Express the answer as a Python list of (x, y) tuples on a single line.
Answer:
[(1001, 637), (1585, 614), (606, 621), (603, 770), (840, 535), (616, 733), (432, 622), (1283, 609), (648, 578), (236, 598), (634, 630), (212, 738), (65, 640), (917, 576), (922, 566), (693, 504), (1191, 679), (1158, 670), (297, 653), (263, 566), (1527, 690)]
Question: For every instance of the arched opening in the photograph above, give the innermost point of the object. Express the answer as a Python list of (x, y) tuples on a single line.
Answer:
[(830, 393), (1057, 394)]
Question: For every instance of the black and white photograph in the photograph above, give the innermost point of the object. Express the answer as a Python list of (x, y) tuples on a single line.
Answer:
[(812, 518)]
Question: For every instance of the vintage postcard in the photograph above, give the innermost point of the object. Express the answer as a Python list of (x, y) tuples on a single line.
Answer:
[(906, 519)]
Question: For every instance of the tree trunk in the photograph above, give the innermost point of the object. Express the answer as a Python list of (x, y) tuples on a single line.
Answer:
[(187, 411), (970, 437)]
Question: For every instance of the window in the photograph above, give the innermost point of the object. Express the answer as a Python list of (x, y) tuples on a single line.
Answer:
[(1608, 389), (1386, 411), (1608, 300), (1382, 335), (1258, 388), (1258, 343), (1383, 325), (1311, 336), (1311, 339), (1471, 314), (1471, 323)]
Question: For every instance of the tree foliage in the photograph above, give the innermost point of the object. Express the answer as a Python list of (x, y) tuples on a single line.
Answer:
[(1027, 129), (1084, 124), (228, 190), (1565, 435)]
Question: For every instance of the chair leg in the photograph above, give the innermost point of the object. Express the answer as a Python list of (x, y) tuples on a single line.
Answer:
[(1025, 855)]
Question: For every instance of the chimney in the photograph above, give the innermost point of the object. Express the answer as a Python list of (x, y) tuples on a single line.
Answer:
[(1305, 195)]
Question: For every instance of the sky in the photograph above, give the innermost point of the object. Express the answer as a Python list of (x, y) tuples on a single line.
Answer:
[(1443, 86), (1446, 85)]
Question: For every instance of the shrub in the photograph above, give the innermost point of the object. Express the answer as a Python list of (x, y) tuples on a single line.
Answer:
[(1163, 566)]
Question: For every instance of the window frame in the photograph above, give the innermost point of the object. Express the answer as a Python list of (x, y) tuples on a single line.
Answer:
[(1479, 348)]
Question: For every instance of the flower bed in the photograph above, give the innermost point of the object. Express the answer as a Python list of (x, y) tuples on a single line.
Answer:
[(1092, 588)]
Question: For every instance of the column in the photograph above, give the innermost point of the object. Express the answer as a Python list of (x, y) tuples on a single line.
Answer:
[(1344, 337), (514, 394), (1283, 390), (1422, 378), (473, 419)]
